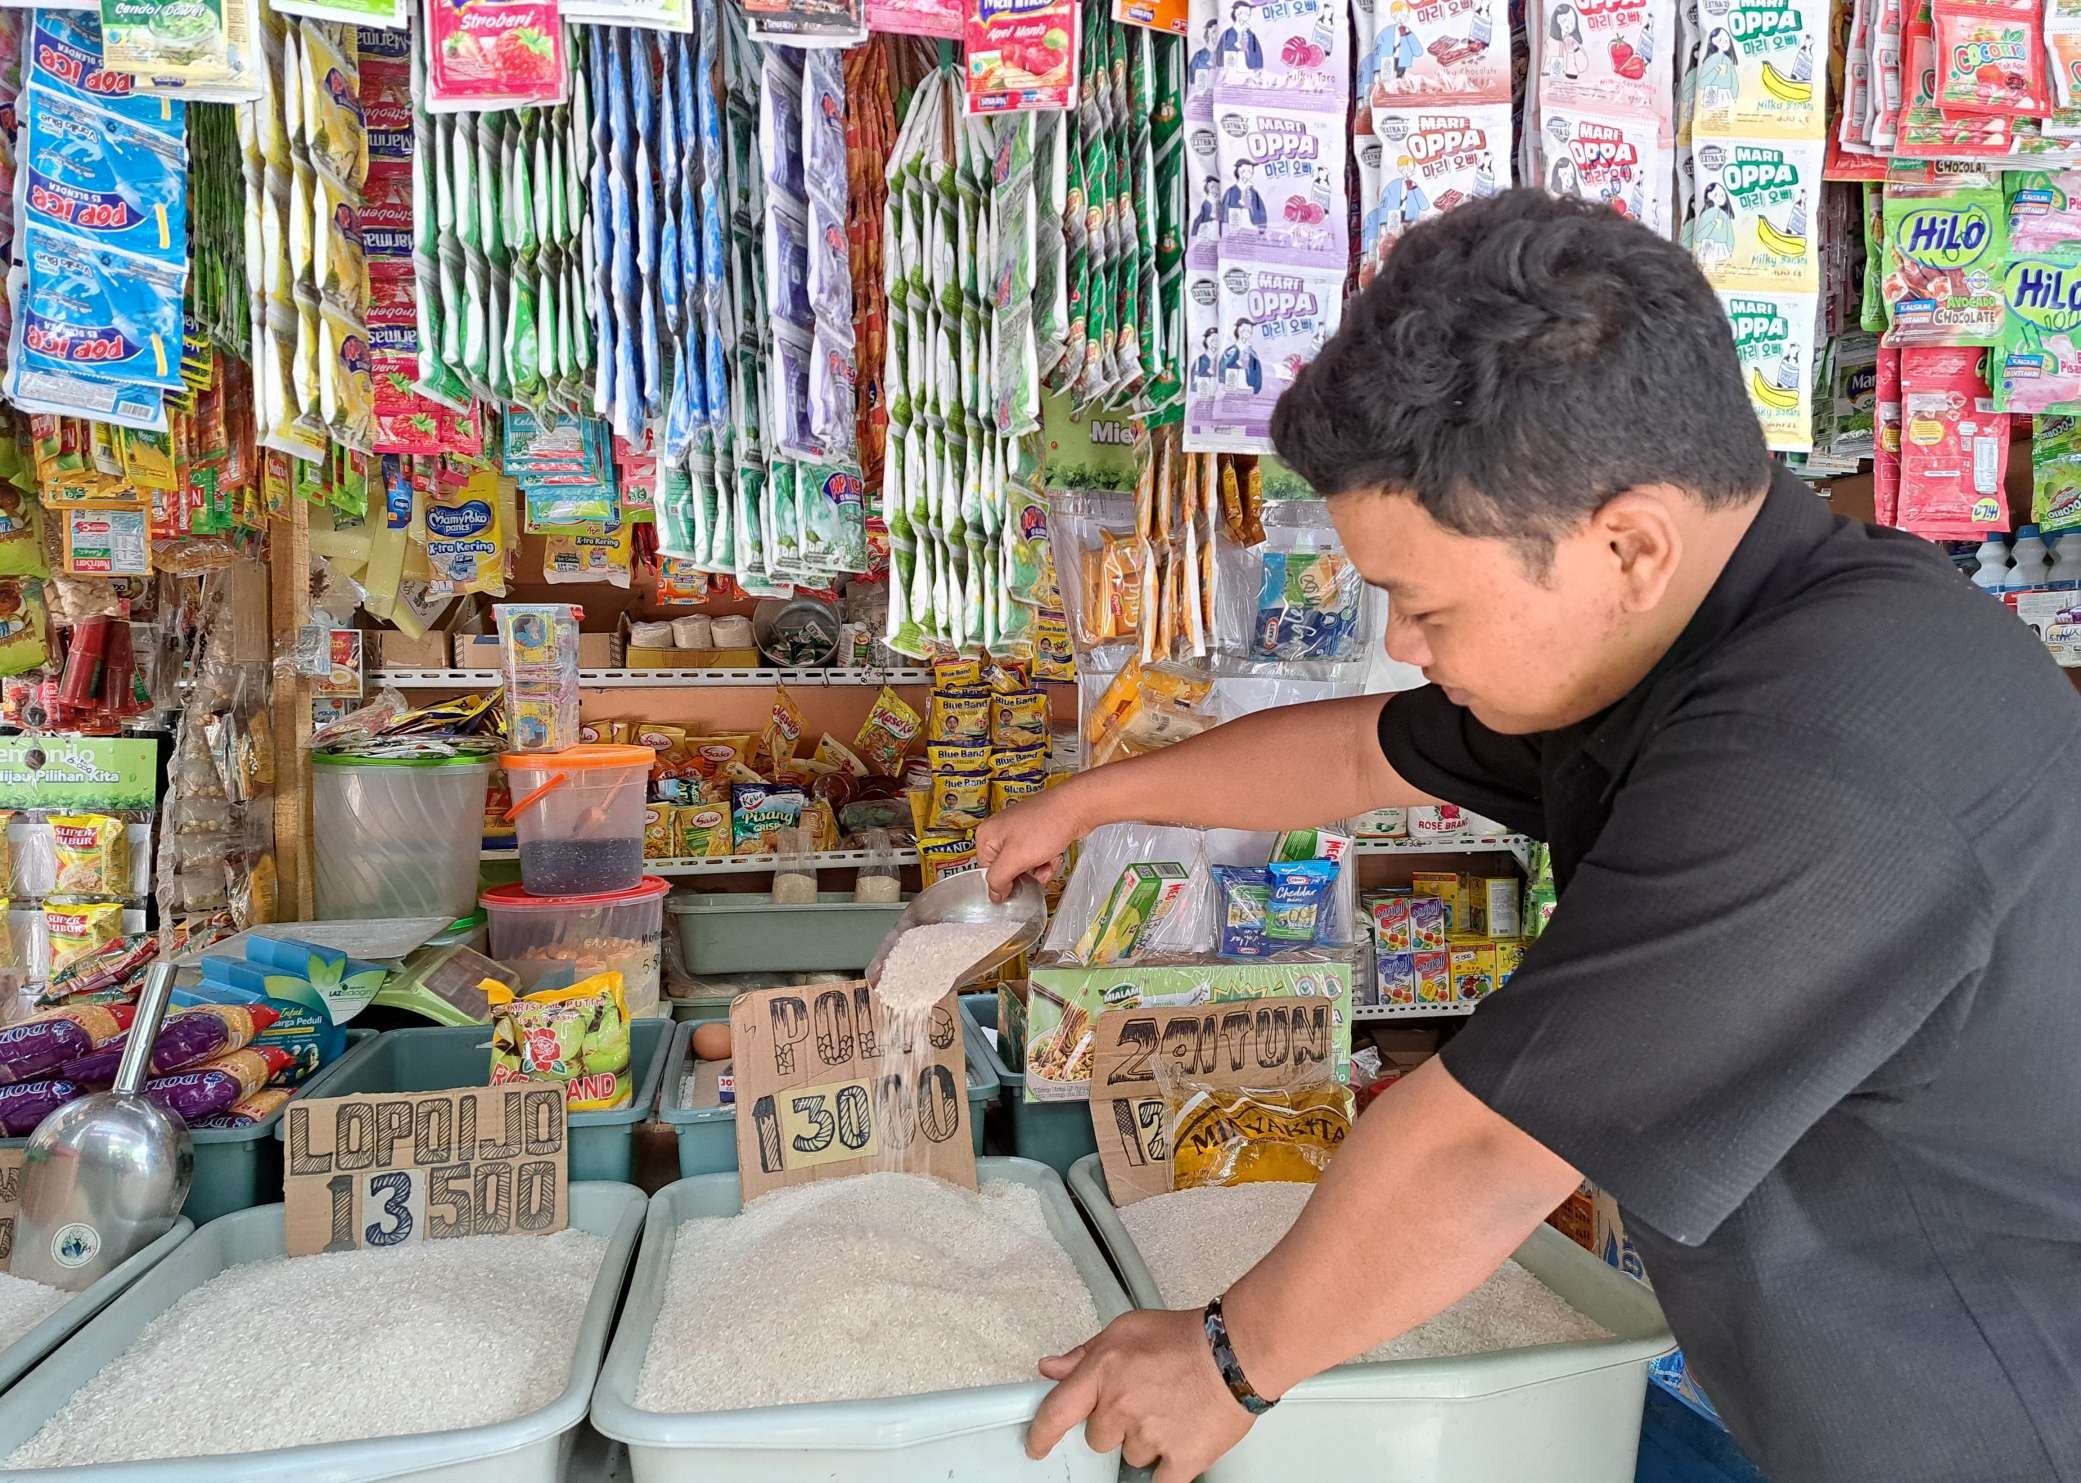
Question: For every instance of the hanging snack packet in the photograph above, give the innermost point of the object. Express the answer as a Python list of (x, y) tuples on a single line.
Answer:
[(1433, 158), (959, 715), (2055, 470), (1773, 340), (1308, 607), (958, 800), (103, 177), (578, 1035), (76, 929), (885, 736), (93, 853), (2037, 365), (1282, 177), (1993, 57), (783, 728), (1432, 54), (1019, 719), (2044, 210), (1756, 225), (1599, 154), (1954, 448), (1755, 80), (1943, 257)]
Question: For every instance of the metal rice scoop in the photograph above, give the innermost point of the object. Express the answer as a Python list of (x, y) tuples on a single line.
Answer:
[(965, 898), (104, 1177)]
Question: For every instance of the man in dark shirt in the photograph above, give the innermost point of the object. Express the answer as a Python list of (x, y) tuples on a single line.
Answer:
[(1808, 1006)]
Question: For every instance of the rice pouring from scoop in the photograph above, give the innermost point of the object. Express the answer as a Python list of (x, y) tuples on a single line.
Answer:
[(924, 965)]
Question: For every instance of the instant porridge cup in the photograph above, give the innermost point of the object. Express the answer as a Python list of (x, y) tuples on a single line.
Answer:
[(578, 817), (401, 835), (553, 941)]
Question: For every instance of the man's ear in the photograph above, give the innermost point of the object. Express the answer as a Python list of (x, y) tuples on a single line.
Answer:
[(1644, 539)]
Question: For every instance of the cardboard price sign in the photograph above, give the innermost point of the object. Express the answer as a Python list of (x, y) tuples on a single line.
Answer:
[(824, 1089), (1268, 1043), (384, 1169)]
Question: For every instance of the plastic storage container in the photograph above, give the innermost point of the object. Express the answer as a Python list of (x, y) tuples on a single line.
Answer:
[(434, 1059), (744, 932), (531, 1449), (238, 1168), (707, 1130), (578, 817), (553, 940), (1560, 1413), (1053, 1133), (25, 1353), (399, 836), (949, 1436)]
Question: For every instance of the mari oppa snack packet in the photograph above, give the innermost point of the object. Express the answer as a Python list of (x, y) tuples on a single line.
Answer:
[(1773, 340), (1760, 71), (1757, 225), (1433, 158), (1606, 58), (1440, 53), (1600, 154)]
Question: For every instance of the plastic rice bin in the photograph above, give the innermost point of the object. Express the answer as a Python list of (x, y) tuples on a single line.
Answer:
[(1054, 1133), (578, 817), (744, 932), (707, 1128), (25, 1353), (602, 1144), (531, 1449), (948, 1436), (399, 836), (551, 941), (238, 1168), (1560, 1413)]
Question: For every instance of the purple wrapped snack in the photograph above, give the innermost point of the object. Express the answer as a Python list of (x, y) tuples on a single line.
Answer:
[(186, 1039), (33, 1049), (211, 1089), (24, 1104)]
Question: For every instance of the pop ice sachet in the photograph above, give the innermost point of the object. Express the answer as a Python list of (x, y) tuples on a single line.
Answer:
[(97, 312)]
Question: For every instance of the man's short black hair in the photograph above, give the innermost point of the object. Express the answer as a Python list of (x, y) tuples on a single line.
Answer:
[(1517, 363)]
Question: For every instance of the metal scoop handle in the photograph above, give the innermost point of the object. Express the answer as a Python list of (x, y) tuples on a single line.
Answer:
[(152, 1000)]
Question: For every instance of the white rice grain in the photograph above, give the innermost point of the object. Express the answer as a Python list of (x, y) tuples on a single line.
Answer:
[(923, 1286), (927, 962), (25, 1304), (339, 1348), (1197, 1242)]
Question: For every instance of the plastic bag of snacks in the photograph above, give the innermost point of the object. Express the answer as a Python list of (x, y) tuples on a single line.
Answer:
[(186, 1039), (578, 1036), (39, 1045), (217, 1086)]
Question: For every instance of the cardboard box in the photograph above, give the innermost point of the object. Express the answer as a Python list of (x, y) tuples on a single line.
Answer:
[(1140, 899), (1433, 977), (1397, 976), (1445, 887), (638, 657), (1391, 925), (1509, 953), (402, 651), (481, 651), (1473, 972), (1427, 918), (1498, 899)]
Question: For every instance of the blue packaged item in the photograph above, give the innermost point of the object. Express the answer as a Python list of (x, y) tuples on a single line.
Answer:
[(1244, 895), (306, 1035), (93, 311), (1299, 905), (1308, 607), (104, 178), (64, 53)]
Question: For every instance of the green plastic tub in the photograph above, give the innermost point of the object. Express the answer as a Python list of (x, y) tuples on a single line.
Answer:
[(238, 1168), (1560, 1413), (708, 1134), (948, 1436), (25, 1353), (744, 932), (531, 1449), (1053, 1133), (602, 1144)]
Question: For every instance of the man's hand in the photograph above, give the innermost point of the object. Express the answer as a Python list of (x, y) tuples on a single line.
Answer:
[(1147, 1385), (1027, 839)]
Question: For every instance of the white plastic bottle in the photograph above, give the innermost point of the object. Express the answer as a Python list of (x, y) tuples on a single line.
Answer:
[(2028, 562), (2065, 573), (1994, 564)]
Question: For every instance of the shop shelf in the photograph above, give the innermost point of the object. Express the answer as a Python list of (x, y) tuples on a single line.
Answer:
[(25, 1353), (708, 1134), (531, 1449), (728, 864), (951, 1436), (745, 932), (602, 1144), (1053, 1133), (658, 679), (1411, 1011), (1561, 1413), (238, 1168)]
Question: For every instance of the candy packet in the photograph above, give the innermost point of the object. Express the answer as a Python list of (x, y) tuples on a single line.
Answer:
[(103, 177), (1761, 80), (578, 1035), (1282, 199), (1600, 153), (1438, 54), (1272, 321), (1954, 447), (1993, 58), (1294, 56), (1432, 158)]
